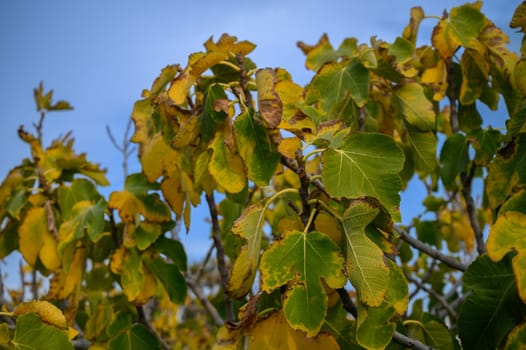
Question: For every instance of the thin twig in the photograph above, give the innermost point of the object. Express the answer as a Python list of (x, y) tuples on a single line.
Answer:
[(210, 309), (202, 267), (424, 278), (415, 243), (145, 322), (220, 253), (452, 313)]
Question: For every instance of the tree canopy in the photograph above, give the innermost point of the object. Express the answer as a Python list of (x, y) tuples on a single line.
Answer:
[(302, 184)]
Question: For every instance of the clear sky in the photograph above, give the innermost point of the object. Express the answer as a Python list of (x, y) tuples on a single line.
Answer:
[(100, 54)]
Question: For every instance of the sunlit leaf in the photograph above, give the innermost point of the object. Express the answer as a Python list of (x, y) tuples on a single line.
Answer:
[(423, 147), (36, 241), (250, 227), (336, 82), (366, 165), (31, 333), (158, 158), (412, 104), (135, 200), (274, 333), (519, 18), (226, 167), (319, 53), (507, 171), (365, 264), (462, 27), (515, 338), (303, 259), (86, 217), (507, 235), (494, 306), (132, 278), (411, 30), (47, 312), (256, 148)]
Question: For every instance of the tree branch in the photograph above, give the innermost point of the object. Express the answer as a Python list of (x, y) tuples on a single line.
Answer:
[(467, 180), (220, 253), (146, 322), (415, 243), (452, 313), (210, 309)]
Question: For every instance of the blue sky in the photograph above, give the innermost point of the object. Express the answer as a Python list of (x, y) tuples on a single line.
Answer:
[(100, 54)]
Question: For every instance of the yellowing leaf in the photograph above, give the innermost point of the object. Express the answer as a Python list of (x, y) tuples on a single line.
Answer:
[(226, 167), (132, 277), (436, 77), (158, 158), (35, 241), (507, 234), (302, 259), (364, 261), (257, 148), (288, 146), (374, 328), (250, 227), (47, 312), (269, 103), (462, 27), (273, 333), (412, 104), (411, 30)]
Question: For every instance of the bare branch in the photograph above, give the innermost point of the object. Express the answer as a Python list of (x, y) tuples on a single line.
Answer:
[(415, 243), (146, 322), (220, 253), (452, 313), (210, 309)]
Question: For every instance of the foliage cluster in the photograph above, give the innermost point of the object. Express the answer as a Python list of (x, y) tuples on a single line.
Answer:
[(303, 188)]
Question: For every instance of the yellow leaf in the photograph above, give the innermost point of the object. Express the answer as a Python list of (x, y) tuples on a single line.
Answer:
[(116, 260), (171, 189), (288, 146), (47, 312), (35, 241), (158, 158), (127, 203), (49, 251), (507, 234), (520, 75), (226, 167), (436, 77), (149, 288), (275, 333)]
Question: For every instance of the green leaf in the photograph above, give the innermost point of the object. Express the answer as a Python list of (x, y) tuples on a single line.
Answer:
[(340, 326), (100, 317), (250, 227), (374, 328), (32, 333), (364, 260), (303, 259), (475, 71), (412, 104), (397, 292), (257, 149), (366, 165), (174, 250), (494, 306), (135, 338), (336, 82), (437, 335), (121, 322), (146, 233), (454, 158), (507, 171), (171, 278), (485, 143), (507, 234), (423, 150)]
